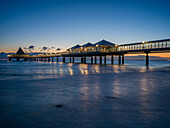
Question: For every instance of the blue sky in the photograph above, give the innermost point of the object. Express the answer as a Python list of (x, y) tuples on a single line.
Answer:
[(64, 23)]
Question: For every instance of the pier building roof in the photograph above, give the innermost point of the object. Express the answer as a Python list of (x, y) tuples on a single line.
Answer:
[(76, 46), (87, 45), (20, 51), (104, 42)]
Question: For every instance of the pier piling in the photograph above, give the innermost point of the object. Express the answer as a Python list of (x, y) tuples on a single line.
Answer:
[(95, 59), (70, 59), (84, 59), (91, 59), (112, 59), (73, 59), (147, 59), (119, 59), (123, 59), (81, 59), (63, 59), (100, 59), (25, 59), (104, 59)]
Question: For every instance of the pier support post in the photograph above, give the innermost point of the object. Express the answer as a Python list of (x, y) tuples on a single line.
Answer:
[(73, 59), (100, 59), (119, 59), (95, 60), (91, 59), (70, 59), (57, 58), (63, 59), (52, 59), (123, 59), (112, 60), (10, 59), (49, 59), (104, 59), (25, 59), (147, 59), (17, 59), (82, 59)]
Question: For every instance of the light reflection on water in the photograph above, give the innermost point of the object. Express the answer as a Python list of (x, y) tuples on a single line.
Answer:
[(147, 88), (116, 88), (54, 70)]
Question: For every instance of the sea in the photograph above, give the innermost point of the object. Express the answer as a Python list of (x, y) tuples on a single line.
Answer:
[(38, 94)]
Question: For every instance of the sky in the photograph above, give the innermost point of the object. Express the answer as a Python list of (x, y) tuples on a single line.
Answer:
[(65, 23)]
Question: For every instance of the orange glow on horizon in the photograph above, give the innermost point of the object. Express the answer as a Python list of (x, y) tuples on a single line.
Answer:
[(164, 55), (14, 50)]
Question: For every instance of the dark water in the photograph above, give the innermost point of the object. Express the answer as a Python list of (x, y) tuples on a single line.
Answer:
[(93, 96)]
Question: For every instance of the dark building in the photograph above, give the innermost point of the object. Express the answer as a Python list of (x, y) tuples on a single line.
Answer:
[(20, 51)]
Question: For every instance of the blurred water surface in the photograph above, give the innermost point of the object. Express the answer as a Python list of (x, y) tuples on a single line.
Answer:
[(93, 96)]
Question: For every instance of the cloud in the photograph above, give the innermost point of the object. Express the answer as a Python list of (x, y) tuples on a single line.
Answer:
[(58, 49), (31, 47), (44, 48)]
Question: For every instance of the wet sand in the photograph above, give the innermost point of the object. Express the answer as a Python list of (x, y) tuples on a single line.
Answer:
[(91, 96)]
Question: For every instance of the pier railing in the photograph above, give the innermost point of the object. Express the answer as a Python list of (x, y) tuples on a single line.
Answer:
[(144, 45)]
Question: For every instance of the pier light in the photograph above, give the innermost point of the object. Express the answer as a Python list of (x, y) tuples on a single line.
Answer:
[(97, 45), (143, 42), (115, 45), (81, 47)]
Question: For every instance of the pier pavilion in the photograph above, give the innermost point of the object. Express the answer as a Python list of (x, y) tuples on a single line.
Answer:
[(101, 49)]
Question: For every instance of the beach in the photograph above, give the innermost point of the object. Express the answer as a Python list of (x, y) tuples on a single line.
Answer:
[(88, 95)]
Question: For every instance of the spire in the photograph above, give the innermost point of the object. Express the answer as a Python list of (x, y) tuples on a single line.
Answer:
[(20, 51)]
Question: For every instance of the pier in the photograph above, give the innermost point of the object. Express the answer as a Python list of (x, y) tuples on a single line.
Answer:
[(99, 51)]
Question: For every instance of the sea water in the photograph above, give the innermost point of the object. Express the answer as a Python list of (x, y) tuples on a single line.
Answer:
[(91, 95)]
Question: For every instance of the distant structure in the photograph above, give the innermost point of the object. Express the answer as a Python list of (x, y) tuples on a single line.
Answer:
[(20, 51)]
